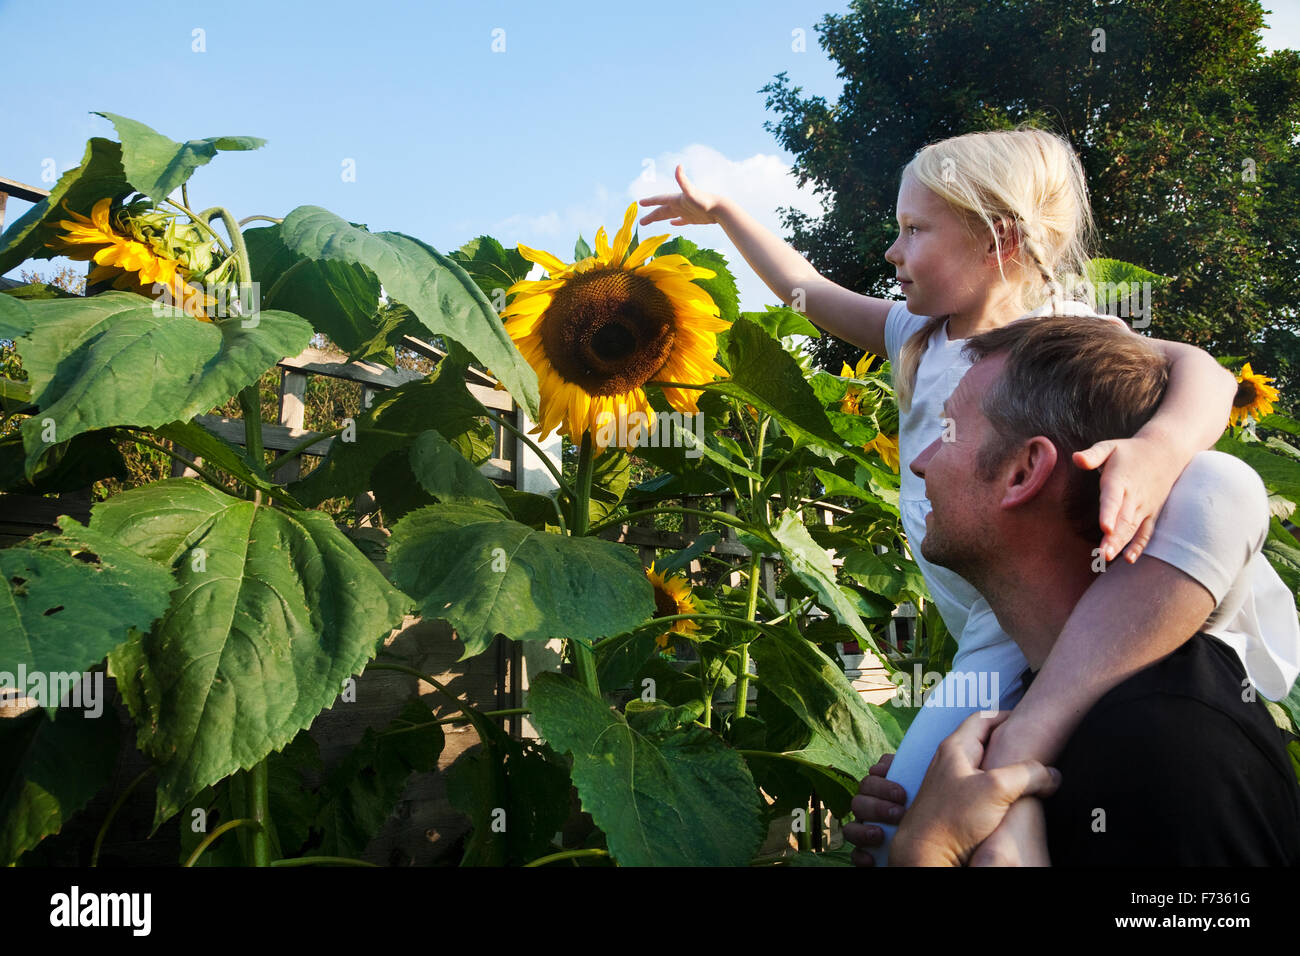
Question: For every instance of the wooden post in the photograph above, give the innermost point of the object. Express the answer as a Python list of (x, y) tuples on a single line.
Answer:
[(293, 387)]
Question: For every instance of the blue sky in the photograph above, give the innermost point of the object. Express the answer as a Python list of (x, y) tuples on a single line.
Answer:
[(587, 107)]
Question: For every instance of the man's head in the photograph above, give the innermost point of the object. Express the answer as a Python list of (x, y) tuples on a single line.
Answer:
[(1039, 390)]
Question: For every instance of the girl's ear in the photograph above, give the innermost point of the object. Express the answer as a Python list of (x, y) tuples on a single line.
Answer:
[(1008, 243)]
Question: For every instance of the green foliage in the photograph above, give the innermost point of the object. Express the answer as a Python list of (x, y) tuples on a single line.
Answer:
[(664, 794), (1186, 128)]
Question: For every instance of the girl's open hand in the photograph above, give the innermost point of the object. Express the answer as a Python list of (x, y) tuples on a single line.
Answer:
[(691, 207), (1136, 477)]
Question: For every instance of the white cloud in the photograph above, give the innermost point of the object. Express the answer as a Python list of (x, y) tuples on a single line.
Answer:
[(761, 184)]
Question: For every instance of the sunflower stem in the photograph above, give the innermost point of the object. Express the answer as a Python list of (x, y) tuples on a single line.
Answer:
[(751, 607), (584, 659), (719, 516), (260, 811), (201, 219)]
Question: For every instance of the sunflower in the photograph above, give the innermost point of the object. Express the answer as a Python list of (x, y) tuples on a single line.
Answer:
[(130, 264), (597, 330), (885, 445), (1254, 398), (672, 596)]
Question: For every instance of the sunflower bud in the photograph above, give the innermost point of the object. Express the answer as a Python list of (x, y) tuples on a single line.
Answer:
[(887, 417)]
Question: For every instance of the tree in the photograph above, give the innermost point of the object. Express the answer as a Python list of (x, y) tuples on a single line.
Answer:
[(1186, 128)]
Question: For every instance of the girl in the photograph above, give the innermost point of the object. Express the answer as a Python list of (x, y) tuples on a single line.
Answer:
[(989, 224)]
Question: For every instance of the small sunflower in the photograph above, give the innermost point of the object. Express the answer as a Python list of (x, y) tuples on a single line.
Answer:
[(597, 330), (884, 444), (1254, 398), (130, 264), (672, 596)]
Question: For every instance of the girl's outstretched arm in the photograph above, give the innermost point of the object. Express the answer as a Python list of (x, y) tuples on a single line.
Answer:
[(1139, 472), (858, 319)]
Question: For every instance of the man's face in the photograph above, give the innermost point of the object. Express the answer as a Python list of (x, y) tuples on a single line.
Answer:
[(957, 530)]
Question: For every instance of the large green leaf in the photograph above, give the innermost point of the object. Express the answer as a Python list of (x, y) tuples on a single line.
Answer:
[(440, 293), (340, 299), (99, 176), (609, 480), (447, 475), (516, 793), (676, 798), (487, 575), (50, 767), (845, 732), (82, 351), (385, 431), (272, 612), (67, 599), (765, 375), (361, 792), (808, 561), (156, 165), (216, 452)]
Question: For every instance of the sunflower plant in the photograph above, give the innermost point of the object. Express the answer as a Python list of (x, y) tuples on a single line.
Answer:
[(231, 609)]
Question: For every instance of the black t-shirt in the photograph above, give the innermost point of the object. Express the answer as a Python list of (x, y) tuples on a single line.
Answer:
[(1174, 768)]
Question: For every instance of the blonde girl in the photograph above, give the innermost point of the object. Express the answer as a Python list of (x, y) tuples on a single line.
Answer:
[(991, 226)]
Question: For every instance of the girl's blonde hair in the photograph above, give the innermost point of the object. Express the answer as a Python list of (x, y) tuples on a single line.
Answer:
[(1031, 183)]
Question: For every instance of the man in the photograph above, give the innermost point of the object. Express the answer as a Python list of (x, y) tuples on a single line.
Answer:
[(1179, 764)]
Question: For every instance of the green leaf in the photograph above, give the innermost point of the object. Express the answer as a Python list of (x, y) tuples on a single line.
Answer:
[(340, 299), (888, 574), (780, 321), (216, 452), (609, 480), (492, 267), (82, 350), (69, 466), (581, 250), (516, 793), (722, 287), (156, 165), (15, 318), (441, 294), (487, 575), (70, 598), (51, 765), (384, 433), (765, 375), (1283, 552), (1280, 475), (445, 473), (680, 799), (1115, 271), (619, 659), (680, 559), (808, 561), (271, 613), (791, 781), (846, 733), (360, 794), (99, 176)]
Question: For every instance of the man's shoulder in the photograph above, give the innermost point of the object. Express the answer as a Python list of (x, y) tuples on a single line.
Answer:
[(1180, 764)]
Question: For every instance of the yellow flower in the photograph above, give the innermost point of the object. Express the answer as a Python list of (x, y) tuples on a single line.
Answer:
[(886, 446), (1254, 398), (595, 331), (131, 265), (672, 596)]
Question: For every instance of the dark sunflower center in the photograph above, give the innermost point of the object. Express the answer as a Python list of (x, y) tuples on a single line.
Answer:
[(665, 603), (1246, 394), (608, 331)]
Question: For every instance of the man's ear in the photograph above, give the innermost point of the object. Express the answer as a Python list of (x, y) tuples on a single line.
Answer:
[(1028, 471)]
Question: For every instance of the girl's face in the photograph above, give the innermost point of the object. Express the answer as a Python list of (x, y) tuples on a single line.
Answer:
[(942, 266)]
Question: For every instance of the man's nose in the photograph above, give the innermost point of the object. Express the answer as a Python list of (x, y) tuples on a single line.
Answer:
[(920, 461)]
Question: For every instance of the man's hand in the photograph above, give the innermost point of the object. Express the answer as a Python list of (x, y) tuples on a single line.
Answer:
[(960, 805), (878, 801)]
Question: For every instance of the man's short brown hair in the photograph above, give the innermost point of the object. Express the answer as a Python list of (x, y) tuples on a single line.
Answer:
[(1075, 380)]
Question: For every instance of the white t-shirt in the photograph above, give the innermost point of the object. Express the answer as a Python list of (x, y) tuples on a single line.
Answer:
[(1212, 528)]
